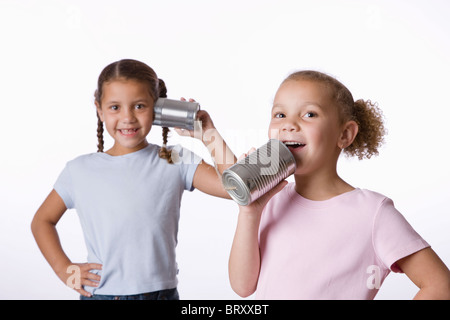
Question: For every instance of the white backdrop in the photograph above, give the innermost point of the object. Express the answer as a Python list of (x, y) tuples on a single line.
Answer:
[(230, 56)]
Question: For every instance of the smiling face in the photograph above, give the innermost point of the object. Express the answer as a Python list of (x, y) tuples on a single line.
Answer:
[(127, 110), (305, 118)]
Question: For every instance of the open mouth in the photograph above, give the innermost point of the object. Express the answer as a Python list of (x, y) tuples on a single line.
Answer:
[(294, 144)]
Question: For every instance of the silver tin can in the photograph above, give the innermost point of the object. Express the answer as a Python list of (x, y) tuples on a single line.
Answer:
[(175, 113), (251, 177)]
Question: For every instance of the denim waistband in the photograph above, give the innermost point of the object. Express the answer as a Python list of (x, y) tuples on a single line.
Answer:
[(167, 294)]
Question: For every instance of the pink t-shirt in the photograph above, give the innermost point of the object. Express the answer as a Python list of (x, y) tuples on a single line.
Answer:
[(341, 248)]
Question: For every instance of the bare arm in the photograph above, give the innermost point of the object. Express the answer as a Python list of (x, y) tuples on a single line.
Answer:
[(245, 261), (220, 152), (429, 273), (44, 231), (207, 178)]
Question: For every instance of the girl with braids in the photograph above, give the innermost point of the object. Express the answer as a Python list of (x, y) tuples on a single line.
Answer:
[(128, 197), (320, 237)]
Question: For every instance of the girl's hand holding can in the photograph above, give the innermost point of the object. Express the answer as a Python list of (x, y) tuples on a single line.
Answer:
[(202, 125), (257, 206)]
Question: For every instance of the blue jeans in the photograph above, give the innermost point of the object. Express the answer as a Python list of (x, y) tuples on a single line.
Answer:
[(169, 294)]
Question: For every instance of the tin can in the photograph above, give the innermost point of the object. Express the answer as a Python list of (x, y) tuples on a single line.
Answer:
[(251, 177), (175, 113)]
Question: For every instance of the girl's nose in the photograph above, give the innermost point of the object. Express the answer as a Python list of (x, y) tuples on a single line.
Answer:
[(290, 126), (128, 115)]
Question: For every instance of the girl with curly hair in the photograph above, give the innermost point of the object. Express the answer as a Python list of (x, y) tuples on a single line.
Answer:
[(320, 237)]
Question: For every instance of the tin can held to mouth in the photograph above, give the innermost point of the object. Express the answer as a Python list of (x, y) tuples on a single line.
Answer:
[(251, 177), (175, 113)]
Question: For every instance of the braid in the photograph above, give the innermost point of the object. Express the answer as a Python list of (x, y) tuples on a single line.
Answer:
[(99, 134), (165, 132), (164, 153), (162, 89)]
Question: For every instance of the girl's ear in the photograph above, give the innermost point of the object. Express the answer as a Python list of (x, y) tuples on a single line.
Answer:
[(349, 132), (99, 111)]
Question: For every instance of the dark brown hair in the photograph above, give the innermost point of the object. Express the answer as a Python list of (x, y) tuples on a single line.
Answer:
[(366, 114), (132, 69)]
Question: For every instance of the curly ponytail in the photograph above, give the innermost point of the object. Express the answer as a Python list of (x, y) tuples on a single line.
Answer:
[(371, 130)]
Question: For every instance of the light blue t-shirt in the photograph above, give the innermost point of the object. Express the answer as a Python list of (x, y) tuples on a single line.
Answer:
[(129, 208)]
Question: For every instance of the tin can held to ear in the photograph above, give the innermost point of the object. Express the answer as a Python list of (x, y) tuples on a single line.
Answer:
[(175, 113), (251, 177)]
